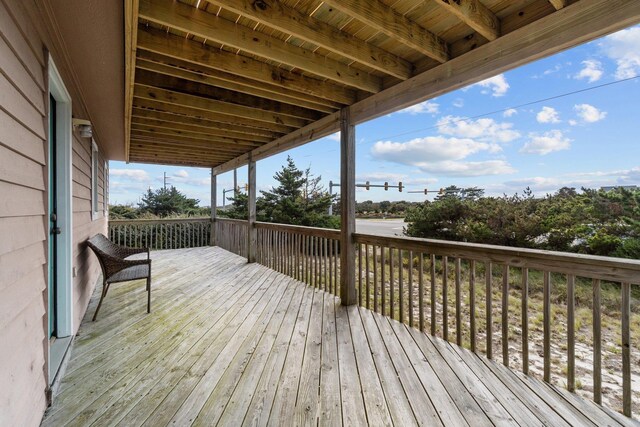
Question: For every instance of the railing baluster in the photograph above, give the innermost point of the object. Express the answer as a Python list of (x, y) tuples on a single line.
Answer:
[(445, 299), (525, 321), (383, 281), (366, 272), (401, 286), (505, 315), (489, 309), (392, 301), (626, 349), (432, 269), (421, 290), (472, 304), (571, 335), (458, 303), (359, 274), (375, 278), (597, 343), (546, 314), (410, 288)]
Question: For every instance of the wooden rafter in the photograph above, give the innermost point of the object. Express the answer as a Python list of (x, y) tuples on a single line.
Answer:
[(205, 131), (209, 125), (237, 68), (193, 76), (163, 81), (476, 15), (386, 20), (559, 4), (275, 14), (168, 133), (202, 114), (224, 108), (211, 27)]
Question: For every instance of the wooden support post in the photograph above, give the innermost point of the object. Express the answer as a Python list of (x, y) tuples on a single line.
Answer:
[(214, 207), (251, 206), (347, 209)]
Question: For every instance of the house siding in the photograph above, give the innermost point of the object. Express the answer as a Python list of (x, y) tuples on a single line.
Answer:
[(23, 218)]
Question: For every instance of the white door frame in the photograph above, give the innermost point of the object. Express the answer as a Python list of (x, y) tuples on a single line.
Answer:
[(64, 300)]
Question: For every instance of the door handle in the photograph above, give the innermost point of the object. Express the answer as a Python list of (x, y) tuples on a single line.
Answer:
[(56, 230)]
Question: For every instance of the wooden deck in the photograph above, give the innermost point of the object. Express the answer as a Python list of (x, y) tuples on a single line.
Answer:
[(231, 343)]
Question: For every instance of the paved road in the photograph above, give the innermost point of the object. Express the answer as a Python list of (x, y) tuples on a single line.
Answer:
[(382, 227)]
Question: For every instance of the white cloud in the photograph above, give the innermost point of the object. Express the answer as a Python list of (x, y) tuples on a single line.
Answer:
[(334, 137), (496, 85), (546, 143), (548, 115), (458, 103), (484, 129), (624, 48), (591, 70), (510, 112), (380, 177), (588, 113), (441, 155), (181, 174), (132, 174), (427, 107)]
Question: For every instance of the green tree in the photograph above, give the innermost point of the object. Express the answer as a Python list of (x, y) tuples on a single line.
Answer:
[(165, 202), (299, 199)]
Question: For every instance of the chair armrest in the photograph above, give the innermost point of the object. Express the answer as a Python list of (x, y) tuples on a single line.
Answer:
[(114, 264), (127, 251)]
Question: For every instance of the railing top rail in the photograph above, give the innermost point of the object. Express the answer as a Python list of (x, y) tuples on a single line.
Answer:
[(233, 220), (327, 233), (591, 266), (157, 221)]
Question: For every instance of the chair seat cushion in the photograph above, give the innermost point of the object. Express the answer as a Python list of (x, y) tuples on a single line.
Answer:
[(130, 273)]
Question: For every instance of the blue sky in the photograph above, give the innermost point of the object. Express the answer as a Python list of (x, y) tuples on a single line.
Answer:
[(477, 136)]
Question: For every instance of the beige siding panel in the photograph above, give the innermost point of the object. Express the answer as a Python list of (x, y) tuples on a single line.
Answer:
[(17, 73), (19, 232), (15, 104), (18, 295), (20, 170), (21, 370), (80, 176), (18, 138), (19, 201), (80, 162), (20, 262), (30, 54), (81, 205), (82, 146), (81, 192)]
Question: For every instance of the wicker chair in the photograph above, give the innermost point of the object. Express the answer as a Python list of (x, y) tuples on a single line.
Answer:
[(115, 268)]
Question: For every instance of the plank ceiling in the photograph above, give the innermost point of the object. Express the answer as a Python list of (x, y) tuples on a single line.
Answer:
[(210, 80)]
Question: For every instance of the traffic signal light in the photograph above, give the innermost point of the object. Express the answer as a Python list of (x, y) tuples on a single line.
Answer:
[(400, 187), (366, 185), (386, 186)]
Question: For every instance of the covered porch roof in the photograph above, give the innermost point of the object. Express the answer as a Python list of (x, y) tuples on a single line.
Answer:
[(210, 81)]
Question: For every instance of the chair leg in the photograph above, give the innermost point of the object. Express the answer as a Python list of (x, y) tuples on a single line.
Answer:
[(105, 288), (148, 294)]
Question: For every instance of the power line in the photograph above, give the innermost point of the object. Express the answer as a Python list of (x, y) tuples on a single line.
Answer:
[(526, 104)]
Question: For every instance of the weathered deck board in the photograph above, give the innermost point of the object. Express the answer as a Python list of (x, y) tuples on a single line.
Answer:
[(238, 344)]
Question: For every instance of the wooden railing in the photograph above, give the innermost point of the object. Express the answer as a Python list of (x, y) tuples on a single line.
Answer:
[(484, 297), (161, 233), (311, 255), (231, 234)]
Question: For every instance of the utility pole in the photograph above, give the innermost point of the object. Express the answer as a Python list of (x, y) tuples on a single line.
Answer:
[(165, 180)]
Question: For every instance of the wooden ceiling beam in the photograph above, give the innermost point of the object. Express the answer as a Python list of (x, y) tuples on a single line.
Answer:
[(476, 15), (130, 44), (163, 146), (275, 14), (559, 4), (197, 102), (209, 132), (208, 125), (205, 78), (158, 134), (383, 18), (211, 27), (166, 159), (198, 114), (175, 152), (248, 70), (163, 81), (163, 132)]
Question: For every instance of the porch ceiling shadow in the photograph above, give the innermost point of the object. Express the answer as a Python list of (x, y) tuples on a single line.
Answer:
[(209, 81)]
